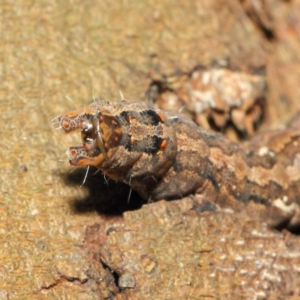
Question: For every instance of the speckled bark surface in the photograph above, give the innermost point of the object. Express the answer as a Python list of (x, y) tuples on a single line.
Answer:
[(50, 50), (169, 255), (278, 22)]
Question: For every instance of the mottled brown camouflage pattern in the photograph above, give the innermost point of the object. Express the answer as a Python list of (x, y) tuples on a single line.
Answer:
[(165, 155)]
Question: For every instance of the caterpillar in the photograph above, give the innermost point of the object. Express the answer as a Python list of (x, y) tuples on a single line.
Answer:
[(165, 155)]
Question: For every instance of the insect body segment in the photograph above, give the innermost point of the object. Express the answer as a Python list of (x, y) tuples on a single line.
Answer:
[(129, 142), (101, 132)]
